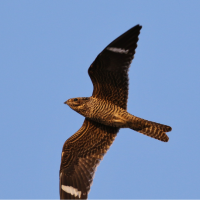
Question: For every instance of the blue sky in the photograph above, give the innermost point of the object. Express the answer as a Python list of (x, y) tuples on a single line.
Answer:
[(46, 48)]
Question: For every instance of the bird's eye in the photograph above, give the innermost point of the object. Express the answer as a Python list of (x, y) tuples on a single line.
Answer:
[(75, 99)]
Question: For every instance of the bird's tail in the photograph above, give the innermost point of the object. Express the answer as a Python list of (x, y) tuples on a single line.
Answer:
[(152, 129)]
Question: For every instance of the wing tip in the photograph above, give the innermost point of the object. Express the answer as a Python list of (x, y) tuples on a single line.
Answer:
[(139, 26)]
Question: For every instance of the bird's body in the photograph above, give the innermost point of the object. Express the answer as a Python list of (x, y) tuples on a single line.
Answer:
[(102, 112), (105, 113), (109, 114)]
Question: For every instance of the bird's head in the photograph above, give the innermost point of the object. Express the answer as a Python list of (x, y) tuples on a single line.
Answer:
[(78, 104)]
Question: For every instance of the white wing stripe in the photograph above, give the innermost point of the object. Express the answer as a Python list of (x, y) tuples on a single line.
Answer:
[(71, 190), (117, 50)]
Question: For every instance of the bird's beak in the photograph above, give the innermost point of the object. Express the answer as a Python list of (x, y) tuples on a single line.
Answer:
[(65, 102)]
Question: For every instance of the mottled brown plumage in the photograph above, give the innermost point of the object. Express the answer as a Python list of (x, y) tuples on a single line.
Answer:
[(105, 113)]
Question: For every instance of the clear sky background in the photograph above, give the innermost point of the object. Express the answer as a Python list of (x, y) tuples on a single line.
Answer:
[(46, 48)]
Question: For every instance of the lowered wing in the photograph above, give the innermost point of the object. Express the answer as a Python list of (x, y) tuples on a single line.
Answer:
[(81, 154)]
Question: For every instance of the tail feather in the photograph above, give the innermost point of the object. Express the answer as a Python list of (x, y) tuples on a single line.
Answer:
[(152, 129), (155, 132)]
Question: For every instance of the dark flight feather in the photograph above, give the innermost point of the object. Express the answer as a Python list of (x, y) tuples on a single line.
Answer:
[(80, 162), (109, 71)]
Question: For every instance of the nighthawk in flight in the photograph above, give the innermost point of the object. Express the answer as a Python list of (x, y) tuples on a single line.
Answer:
[(105, 113)]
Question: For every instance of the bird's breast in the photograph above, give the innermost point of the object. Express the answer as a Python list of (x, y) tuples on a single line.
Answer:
[(108, 114)]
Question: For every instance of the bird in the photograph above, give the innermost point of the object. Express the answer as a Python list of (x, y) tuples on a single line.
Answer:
[(105, 113)]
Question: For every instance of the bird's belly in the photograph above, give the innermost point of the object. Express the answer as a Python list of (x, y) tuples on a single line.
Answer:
[(114, 119)]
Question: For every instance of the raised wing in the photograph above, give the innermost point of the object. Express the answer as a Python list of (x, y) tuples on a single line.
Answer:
[(81, 154), (109, 71)]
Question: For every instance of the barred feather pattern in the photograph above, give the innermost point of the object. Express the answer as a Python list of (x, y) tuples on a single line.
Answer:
[(81, 154), (109, 114)]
